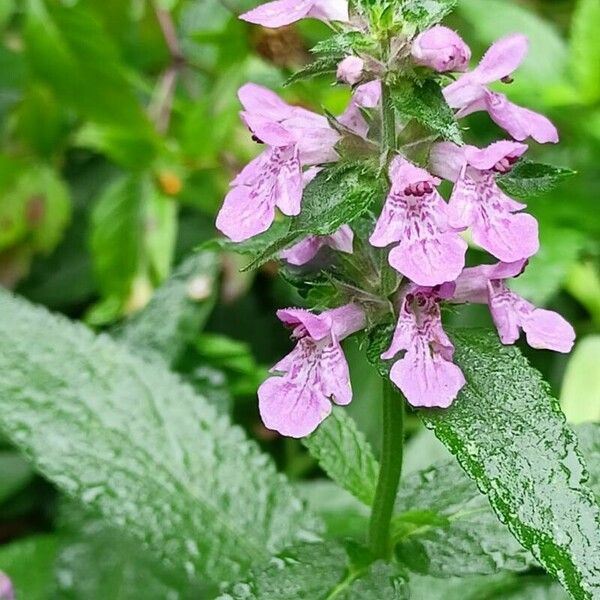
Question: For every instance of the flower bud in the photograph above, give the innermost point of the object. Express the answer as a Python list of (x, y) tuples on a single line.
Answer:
[(350, 70), (441, 49)]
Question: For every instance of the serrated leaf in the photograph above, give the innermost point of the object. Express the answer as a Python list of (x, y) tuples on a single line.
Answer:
[(585, 48), (320, 571), (423, 14), (345, 455), (463, 538), (131, 441), (426, 104), (320, 66), (177, 311), (336, 197), (510, 436), (29, 564), (529, 179)]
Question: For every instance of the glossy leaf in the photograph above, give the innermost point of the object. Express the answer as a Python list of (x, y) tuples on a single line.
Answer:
[(509, 435), (426, 104), (345, 455), (529, 179), (132, 442), (446, 527), (320, 571)]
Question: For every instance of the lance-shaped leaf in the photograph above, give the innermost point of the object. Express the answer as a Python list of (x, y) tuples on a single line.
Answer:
[(426, 104), (345, 455), (529, 179), (336, 197), (133, 442), (510, 436)]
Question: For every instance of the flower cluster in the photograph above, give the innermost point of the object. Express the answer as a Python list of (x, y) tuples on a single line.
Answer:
[(423, 234)]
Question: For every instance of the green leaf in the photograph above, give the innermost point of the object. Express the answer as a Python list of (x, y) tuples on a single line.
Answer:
[(29, 563), (426, 104), (131, 441), (67, 48), (510, 436), (345, 455), (344, 516), (585, 49), (177, 312), (423, 14), (455, 532), (529, 179), (337, 196), (15, 474), (320, 571), (320, 66), (580, 394), (95, 560), (116, 230), (497, 587), (589, 444)]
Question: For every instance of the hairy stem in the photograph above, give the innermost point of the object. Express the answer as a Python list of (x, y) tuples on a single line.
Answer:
[(388, 121), (390, 471)]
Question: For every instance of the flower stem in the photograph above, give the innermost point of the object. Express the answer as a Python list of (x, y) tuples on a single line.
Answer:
[(390, 471), (388, 120)]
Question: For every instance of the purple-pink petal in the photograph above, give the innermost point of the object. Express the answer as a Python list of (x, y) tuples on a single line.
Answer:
[(548, 330), (7, 591), (520, 122), (272, 180), (426, 380), (278, 13), (502, 59)]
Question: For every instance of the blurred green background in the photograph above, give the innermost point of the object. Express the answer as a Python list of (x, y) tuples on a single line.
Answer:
[(119, 133)]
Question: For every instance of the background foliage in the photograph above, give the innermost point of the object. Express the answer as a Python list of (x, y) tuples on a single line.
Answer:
[(119, 135)]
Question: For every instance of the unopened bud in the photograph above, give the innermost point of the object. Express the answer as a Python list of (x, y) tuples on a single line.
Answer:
[(441, 49), (200, 288), (351, 70)]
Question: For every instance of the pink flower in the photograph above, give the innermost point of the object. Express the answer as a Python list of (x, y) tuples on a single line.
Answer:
[(351, 70), (426, 374), (441, 49), (479, 203), (6, 588), (470, 93), (304, 251), (284, 12), (315, 374), (485, 284), (367, 95), (430, 252), (295, 137)]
